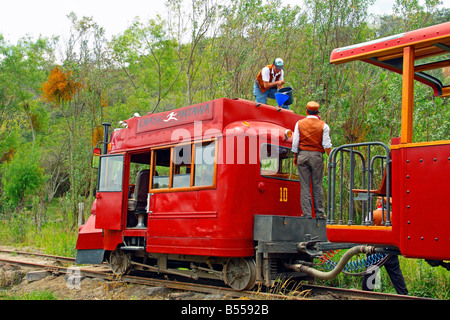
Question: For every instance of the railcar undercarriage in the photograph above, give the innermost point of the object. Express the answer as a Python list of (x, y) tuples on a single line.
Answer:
[(237, 272), (280, 242)]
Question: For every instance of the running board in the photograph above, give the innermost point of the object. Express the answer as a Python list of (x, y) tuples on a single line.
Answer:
[(132, 248)]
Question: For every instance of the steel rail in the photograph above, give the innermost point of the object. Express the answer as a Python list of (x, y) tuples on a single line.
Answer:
[(358, 294), (307, 291), (42, 255), (170, 284)]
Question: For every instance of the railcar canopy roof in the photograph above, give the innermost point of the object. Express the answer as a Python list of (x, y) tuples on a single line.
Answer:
[(431, 53)]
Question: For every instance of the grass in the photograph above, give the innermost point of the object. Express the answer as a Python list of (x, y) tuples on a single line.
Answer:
[(35, 295), (421, 279), (55, 237), (426, 281)]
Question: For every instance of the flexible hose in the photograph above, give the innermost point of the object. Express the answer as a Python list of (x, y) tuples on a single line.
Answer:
[(339, 267), (353, 266)]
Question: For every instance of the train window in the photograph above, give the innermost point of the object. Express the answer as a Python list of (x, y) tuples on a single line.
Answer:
[(111, 173), (204, 163), (161, 172), (182, 158), (181, 173), (277, 162)]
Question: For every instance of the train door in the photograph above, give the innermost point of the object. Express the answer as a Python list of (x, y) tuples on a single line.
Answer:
[(110, 192), (182, 205), (280, 181), (138, 190)]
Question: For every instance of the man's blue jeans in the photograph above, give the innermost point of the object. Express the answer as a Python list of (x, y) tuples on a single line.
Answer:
[(261, 97)]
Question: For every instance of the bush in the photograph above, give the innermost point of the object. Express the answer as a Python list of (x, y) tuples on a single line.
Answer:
[(22, 177)]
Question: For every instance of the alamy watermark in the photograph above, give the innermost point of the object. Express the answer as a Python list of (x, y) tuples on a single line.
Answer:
[(73, 278), (374, 280), (240, 144)]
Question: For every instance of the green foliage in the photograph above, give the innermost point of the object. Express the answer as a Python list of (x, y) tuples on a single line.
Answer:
[(34, 295), (148, 57), (421, 279), (415, 15), (54, 237), (22, 176)]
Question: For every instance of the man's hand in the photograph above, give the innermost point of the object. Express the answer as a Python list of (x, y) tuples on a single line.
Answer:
[(278, 84), (295, 159)]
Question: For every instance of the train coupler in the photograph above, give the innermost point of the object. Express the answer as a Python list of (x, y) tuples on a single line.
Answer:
[(310, 247)]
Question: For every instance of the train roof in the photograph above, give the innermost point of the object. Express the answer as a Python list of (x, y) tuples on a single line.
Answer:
[(431, 48), (196, 122)]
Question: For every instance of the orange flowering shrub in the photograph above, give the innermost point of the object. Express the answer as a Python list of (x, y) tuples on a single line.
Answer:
[(97, 135), (103, 101), (60, 86)]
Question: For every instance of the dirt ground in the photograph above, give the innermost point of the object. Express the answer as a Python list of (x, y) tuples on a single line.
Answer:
[(13, 282), (88, 289)]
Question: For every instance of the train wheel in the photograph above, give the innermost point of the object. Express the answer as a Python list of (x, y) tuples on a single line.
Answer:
[(119, 262), (240, 273)]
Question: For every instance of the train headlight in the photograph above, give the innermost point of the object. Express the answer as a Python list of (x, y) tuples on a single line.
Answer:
[(288, 134)]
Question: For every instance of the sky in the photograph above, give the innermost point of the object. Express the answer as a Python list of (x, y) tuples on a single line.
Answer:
[(47, 18)]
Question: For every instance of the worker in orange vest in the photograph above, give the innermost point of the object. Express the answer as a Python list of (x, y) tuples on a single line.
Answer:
[(311, 141), (268, 81)]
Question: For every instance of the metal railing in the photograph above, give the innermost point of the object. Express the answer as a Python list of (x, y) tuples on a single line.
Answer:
[(367, 178)]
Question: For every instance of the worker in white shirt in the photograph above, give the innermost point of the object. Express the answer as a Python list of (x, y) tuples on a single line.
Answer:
[(311, 141), (268, 81)]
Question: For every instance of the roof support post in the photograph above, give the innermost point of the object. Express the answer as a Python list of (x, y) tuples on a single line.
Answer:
[(408, 95)]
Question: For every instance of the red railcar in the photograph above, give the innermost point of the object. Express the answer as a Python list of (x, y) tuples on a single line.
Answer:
[(416, 176), (200, 187)]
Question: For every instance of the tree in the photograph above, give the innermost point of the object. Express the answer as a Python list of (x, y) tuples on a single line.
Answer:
[(251, 35), (22, 70), (147, 55), (190, 31), (60, 90), (414, 15)]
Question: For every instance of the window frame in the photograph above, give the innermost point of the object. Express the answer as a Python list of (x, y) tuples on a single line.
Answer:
[(102, 170), (191, 187), (277, 176)]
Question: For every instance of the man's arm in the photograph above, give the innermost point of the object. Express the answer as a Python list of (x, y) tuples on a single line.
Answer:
[(268, 85), (295, 142), (266, 77), (326, 140)]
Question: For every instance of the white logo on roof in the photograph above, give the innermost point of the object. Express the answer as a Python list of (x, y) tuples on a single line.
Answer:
[(171, 116)]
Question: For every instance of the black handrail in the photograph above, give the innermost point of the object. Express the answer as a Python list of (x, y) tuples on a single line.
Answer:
[(333, 197), (332, 163)]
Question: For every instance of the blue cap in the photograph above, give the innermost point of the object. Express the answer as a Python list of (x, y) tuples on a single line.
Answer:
[(278, 62)]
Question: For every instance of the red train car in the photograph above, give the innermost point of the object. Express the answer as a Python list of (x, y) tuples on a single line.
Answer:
[(199, 191), (416, 176)]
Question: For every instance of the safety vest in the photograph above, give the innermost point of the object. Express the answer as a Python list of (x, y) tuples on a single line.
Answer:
[(260, 80), (311, 133)]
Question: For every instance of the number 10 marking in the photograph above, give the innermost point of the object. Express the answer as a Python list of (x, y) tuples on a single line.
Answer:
[(283, 194)]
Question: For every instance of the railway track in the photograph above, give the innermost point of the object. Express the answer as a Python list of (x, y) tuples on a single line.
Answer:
[(65, 265)]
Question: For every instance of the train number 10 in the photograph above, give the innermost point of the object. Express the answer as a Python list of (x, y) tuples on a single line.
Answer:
[(283, 194)]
